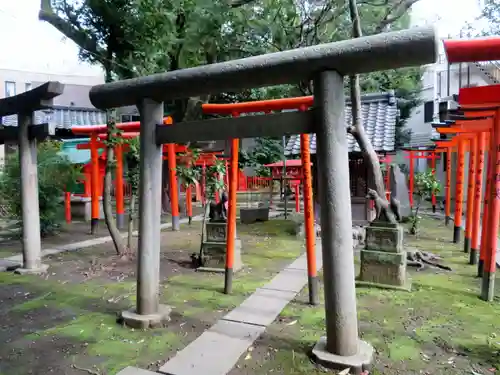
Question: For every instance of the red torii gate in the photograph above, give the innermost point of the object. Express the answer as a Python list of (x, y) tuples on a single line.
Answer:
[(481, 101)]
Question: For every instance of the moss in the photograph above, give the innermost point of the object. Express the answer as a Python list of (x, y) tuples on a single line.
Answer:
[(442, 316)]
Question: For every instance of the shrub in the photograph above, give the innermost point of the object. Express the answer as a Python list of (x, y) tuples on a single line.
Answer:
[(55, 174)]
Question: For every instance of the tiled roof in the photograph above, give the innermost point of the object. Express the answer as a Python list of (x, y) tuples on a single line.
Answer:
[(63, 117), (379, 114), (423, 139)]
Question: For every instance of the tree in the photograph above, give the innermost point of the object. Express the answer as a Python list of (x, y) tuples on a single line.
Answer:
[(266, 151), (487, 23), (425, 186), (56, 174), (137, 37)]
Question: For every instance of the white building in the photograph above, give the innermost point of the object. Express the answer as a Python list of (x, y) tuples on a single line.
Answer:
[(73, 107)]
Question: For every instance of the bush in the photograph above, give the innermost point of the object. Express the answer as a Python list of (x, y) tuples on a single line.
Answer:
[(55, 174)]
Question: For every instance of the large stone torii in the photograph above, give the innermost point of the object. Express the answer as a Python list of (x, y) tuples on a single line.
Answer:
[(326, 65)]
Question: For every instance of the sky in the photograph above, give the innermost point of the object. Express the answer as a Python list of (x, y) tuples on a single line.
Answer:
[(31, 45)]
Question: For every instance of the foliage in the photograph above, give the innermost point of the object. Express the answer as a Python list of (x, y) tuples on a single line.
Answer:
[(425, 185), (487, 23), (187, 172), (56, 174), (214, 180), (132, 159), (266, 150)]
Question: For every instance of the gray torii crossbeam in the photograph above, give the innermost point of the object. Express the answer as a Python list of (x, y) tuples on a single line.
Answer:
[(37, 132), (326, 65)]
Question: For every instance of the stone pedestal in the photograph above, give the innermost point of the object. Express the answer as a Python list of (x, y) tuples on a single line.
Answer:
[(252, 215), (214, 249), (383, 260)]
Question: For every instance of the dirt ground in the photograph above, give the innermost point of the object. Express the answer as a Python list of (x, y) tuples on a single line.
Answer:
[(69, 233), (64, 322), (440, 327)]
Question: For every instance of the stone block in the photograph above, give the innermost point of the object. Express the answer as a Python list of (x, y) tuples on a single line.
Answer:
[(252, 215), (214, 257), (289, 280), (131, 319), (216, 232), (381, 267), (384, 237)]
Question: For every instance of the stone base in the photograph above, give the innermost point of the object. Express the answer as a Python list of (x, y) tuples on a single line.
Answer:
[(358, 363), (214, 257), (32, 271), (252, 215), (131, 319), (383, 268), (404, 288)]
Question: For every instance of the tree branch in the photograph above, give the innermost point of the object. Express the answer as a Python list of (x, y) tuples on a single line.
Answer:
[(394, 13), (357, 129), (68, 28)]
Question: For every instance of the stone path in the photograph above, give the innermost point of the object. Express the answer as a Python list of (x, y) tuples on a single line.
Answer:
[(219, 348)]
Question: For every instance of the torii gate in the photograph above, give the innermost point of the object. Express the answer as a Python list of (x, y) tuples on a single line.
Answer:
[(484, 101)]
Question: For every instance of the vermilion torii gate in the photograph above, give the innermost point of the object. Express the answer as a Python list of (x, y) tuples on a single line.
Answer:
[(484, 101), (326, 65)]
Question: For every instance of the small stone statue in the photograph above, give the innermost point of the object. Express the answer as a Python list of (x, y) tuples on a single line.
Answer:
[(388, 212), (218, 211)]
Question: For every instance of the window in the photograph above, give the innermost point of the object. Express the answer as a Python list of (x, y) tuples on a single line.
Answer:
[(28, 86), (428, 111), (10, 89), (130, 118)]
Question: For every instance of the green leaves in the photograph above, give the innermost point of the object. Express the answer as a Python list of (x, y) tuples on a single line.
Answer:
[(56, 174), (426, 184)]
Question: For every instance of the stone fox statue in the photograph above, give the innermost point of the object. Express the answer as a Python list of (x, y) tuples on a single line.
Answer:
[(218, 212), (385, 211)]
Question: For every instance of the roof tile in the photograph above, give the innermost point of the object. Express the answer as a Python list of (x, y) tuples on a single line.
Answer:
[(379, 113)]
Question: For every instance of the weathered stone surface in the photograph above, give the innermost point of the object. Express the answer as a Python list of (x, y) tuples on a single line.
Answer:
[(400, 191), (216, 232), (131, 319), (382, 237), (252, 215), (383, 267), (383, 261), (135, 371), (357, 363)]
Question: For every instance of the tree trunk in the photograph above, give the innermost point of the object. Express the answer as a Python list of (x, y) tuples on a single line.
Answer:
[(357, 129), (131, 216), (107, 202)]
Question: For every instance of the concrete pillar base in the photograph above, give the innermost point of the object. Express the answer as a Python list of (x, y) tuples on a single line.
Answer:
[(358, 362), (120, 221), (131, 319), (32, 271), (176, 223)]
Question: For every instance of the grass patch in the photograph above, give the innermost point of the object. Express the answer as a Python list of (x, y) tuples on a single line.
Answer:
[(441, 327), (91, 306)]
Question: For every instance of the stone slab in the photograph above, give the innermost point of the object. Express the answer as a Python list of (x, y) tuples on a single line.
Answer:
[(288, 280), (7, 265), (380, 238), (135, 371), (215, 352), (261, 308), (133, 320), (32, 271), (357, 363)]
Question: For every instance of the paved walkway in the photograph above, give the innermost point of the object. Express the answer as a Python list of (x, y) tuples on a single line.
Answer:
[(238, 330)]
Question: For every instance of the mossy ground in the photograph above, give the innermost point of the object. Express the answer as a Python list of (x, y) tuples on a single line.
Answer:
[(441, 327), (65, 321)]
